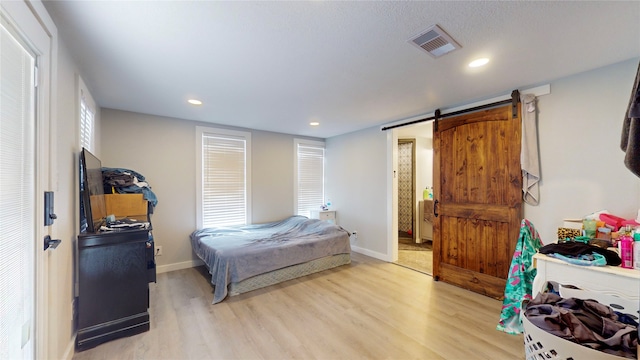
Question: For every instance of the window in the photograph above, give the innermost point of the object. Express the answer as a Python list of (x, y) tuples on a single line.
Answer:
[(87, 117), (309, 176), (223, 177)]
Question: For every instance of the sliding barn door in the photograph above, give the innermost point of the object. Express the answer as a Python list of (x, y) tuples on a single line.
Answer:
[(479, 204)]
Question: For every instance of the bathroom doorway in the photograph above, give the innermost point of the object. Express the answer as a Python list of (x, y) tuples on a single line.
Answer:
[(406, 188), (414, 161)]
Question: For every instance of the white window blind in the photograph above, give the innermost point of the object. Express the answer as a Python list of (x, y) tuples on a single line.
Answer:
[(309, 176), (87, 117), (17, 198), (224, 188)]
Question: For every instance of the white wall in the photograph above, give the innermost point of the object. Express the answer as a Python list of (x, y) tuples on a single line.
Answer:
[(62, 267), (580, 126), (164, 151), (356, 182)]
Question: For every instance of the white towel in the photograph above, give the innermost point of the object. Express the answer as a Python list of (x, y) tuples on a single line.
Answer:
[(529, 155)]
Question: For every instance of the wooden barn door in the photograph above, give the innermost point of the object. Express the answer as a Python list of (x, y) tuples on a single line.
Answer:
[(478, 186)]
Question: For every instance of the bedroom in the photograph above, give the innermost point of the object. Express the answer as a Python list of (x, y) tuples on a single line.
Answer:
[(590, 99)]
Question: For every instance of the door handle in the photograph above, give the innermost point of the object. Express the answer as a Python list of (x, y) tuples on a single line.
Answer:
[(435, 208), (50, 243), (49, 215)]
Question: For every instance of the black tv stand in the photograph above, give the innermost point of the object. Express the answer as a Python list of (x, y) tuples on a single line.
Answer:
[(114, 270)]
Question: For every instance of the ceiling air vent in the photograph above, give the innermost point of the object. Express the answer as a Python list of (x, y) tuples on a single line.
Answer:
[(435, 41)]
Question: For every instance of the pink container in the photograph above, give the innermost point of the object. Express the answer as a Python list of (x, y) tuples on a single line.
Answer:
[(626, 251)]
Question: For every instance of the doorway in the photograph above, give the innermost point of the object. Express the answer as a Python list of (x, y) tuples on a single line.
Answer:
[(406, 188), (26, 48), (414, 163)]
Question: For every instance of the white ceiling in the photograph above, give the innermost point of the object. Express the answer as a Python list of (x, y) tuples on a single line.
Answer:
[(276, 65)]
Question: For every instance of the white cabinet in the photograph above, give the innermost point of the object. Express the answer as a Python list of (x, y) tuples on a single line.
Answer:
[(326, 215), (610, 280), (426, 220)]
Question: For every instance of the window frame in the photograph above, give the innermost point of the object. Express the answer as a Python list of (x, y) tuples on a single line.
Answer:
[(85, 99), (312, 143), (202, 131)]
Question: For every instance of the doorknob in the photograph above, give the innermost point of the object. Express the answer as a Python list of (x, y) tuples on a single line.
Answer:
[(50, 243), (435, 208)]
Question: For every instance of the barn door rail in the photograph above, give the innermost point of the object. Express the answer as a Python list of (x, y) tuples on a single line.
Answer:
[(514, 100)]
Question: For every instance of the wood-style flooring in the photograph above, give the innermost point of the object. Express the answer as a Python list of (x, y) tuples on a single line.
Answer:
[(369, 309), (414, 256)]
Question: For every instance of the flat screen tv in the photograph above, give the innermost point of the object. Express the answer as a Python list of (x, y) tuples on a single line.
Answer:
[(91, 192)]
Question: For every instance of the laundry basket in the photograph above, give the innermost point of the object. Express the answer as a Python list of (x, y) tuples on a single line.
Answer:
[(541, 345)]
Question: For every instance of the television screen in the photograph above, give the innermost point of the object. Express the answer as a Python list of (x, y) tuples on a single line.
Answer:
[(92, 191)]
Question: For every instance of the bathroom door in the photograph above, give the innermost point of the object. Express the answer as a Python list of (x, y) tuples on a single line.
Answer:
[(478, 186)]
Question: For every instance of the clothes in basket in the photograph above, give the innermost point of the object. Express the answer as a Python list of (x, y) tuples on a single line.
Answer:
[(586, 322)]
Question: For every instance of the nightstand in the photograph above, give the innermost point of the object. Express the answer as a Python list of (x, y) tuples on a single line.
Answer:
[(326, 215)]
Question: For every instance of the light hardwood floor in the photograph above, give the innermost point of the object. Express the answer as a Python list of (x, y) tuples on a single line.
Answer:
[(369, 309)]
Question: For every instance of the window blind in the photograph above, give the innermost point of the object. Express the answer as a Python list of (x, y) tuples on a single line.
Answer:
[(309, 177), (17, 198), (87, 117), (224, 180)]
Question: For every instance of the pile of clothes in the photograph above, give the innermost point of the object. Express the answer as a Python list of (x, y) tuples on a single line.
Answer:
[(125, 181), (582, 254), (586, 322)]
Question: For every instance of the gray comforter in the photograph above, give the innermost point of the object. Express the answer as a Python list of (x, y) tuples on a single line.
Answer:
[(236, 253)]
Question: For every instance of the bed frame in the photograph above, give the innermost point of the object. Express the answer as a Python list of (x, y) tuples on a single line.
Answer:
[(288, 273)]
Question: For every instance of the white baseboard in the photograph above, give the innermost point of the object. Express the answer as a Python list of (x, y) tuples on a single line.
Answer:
[(178, 266), (373, 254)]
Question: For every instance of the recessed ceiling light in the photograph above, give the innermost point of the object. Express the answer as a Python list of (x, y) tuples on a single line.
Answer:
[(314, 123), (194, 102), (479, 62)]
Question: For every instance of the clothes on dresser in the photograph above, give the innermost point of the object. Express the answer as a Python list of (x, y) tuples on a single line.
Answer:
[(519, 284), (594, 259), (125, 181), (586, 322), (119, 179), (577, 249)]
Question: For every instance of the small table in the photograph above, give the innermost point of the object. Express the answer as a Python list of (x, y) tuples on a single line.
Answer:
[(326, 215)]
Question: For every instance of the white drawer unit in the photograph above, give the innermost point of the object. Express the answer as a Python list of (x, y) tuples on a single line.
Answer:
[(610, 280), (326, 215)]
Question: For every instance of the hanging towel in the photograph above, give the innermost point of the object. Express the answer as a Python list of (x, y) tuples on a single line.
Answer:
[(630, 143), (520, 279), (529, 155)]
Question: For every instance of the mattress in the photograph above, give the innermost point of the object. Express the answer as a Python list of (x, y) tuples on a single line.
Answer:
[(237, 253)]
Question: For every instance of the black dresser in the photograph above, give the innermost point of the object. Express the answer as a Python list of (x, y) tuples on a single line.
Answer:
[(114, 272)]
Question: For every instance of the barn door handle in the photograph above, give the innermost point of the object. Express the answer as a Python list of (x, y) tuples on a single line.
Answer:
[(435, 208)]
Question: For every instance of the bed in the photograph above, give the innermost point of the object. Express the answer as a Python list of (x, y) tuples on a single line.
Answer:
[(249, 257)]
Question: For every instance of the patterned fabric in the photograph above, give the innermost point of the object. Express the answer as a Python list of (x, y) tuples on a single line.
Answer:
[(405, 187), (520, 280)]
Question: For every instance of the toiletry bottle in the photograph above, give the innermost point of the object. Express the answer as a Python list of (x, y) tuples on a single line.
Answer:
[(626, 251), (425, 193), (636, 250)]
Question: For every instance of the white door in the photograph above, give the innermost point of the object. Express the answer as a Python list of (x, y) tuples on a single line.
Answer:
[(24, 175)]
